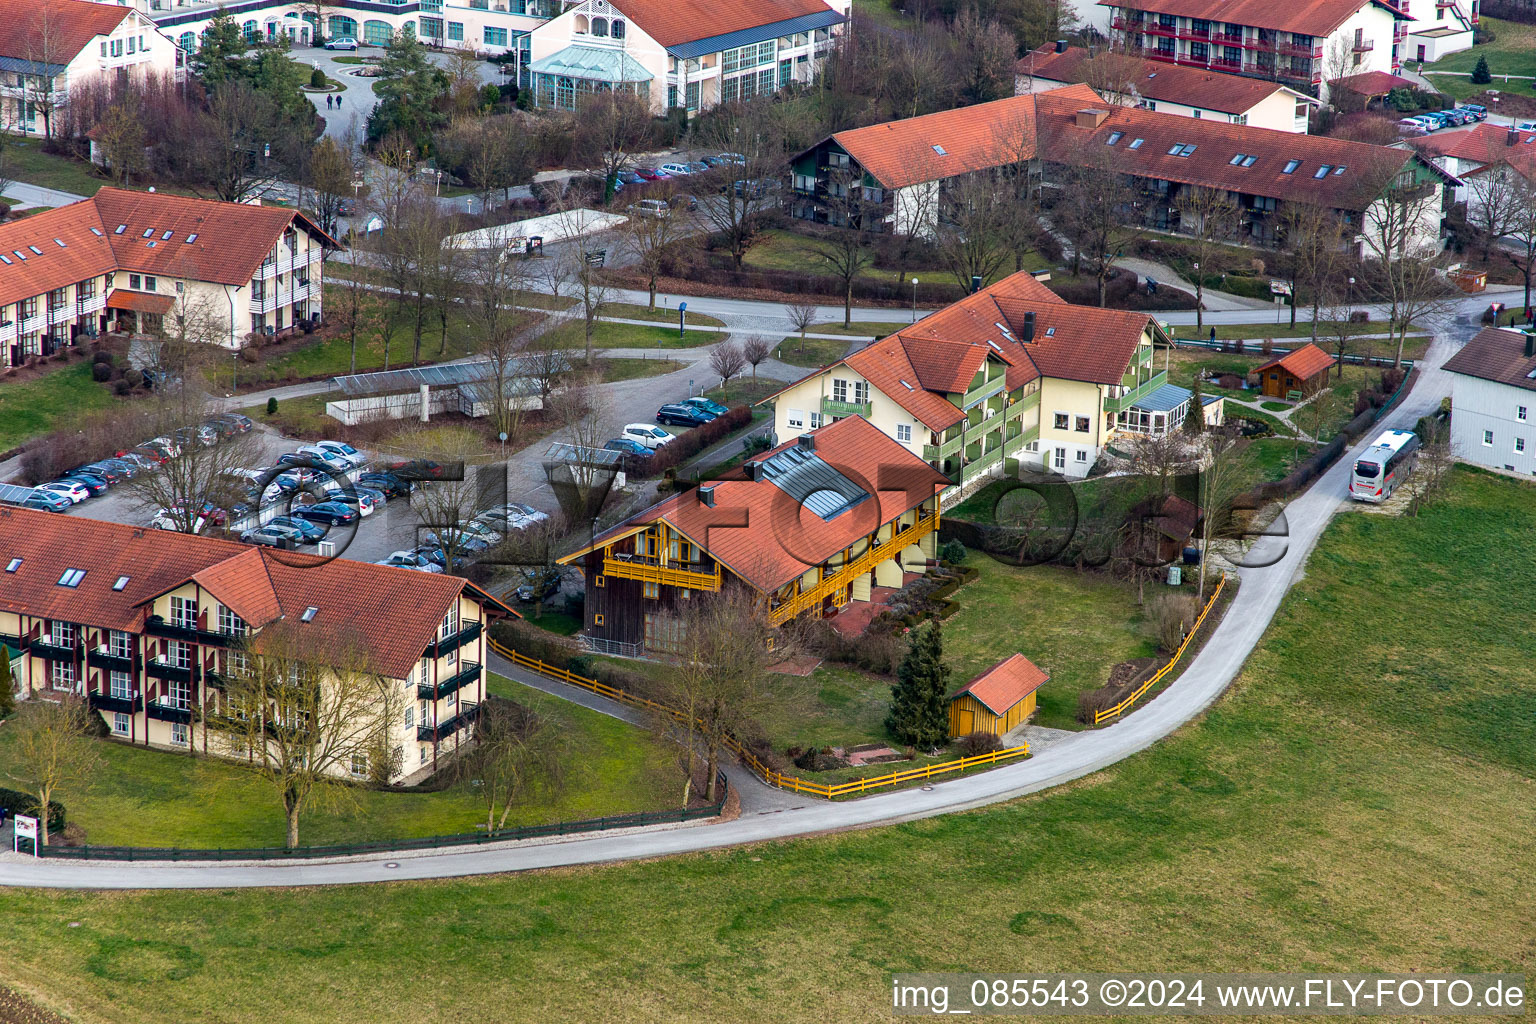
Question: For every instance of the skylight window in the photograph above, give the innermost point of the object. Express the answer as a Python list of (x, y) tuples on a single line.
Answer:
[(1181, 149), (5, 259), (60, 243), (1050, 332), (151, 244), (191, 238), (1250, 160), (906, 385), (167, 236), (994, 345), (71, 577), (1114, 137), (1290, 167), (19, 255), (97, 233), (13, 565), (122, 581), (310, 613), (939, 149), (35, 249), (1004, 328), (1340, 170), (1136, 143), (1322, 171), (120, 229), (147, 232), (1239, 158)]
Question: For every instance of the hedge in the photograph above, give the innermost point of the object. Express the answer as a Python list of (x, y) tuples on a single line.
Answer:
[(17, 802), (689, 443)]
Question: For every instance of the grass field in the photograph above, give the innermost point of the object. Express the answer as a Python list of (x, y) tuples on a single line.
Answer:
[(810, 352), (660, 315), (1358, 800), (33, 407), (573, 334), (862, 328), (785, 250), (1512, 52), (27, 162), (156, 798)]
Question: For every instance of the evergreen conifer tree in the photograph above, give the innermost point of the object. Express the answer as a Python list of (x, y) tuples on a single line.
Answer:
[(918, 715)]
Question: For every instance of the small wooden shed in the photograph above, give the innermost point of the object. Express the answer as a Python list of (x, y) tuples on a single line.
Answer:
[(998, 700), (1303, 370)]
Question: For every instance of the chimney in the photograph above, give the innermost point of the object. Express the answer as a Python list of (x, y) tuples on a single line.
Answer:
[(754, 470), (707, 495), (1511, 137), (1029, 328), (975, 283), (1530, 344), (1091, 118), (807, 441), (1061, 46)]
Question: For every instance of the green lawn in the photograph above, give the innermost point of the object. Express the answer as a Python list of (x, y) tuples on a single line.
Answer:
[(660, 315), (573, 334), (779, 249), (158, 798), (1512, 52), (1285, 333), (28, 163), (298, 417), (861, 328), (810, 352), (631, 368), (33, 407), (741, 391), (1359, 800)]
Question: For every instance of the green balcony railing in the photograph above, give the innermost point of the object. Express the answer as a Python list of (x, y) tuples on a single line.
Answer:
[(983, 391), (944, 449), (1137, 393), (832, 407), (981, 464)]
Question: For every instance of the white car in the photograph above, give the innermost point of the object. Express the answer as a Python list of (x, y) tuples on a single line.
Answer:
[(676, 170), (353, 457), (647, 434), (410, 560), (75, 491), (1525, 125), (341, 43), (168, 443), (364, 502)]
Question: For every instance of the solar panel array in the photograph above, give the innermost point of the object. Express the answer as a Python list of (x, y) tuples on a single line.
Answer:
[(14, 494), (383, 382), (561, 451)]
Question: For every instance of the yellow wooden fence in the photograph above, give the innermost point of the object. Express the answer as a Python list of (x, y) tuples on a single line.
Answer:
[(763, 771), (1099, 717)]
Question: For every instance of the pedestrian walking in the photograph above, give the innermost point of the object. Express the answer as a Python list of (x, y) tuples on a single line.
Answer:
[(338, 102)]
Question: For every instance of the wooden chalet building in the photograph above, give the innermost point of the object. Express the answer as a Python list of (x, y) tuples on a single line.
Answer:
[(1301, 371), (807, 527), (998, 700)]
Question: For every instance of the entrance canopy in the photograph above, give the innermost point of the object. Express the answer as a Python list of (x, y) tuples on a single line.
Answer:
[(140, 302)]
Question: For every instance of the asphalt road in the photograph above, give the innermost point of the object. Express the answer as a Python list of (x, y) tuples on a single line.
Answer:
[(1218, 662)]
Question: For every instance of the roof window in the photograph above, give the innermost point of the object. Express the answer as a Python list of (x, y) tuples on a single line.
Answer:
[(1340, 169), (1004, 328), (191, 238), (19, 255), (60, 243), (1114, 137), (939, 149), (1250, 160), (1322, 171), (1237, 159), (122, 582), (1136, 143), (71, 577), (994, 345), (310, 613), (906, 385), (167, 236), (97, 233), (35, 249), (1290, 167), (13, 565), (1050, 332), (5, 259), (151, 244), (147, 232), (120, 229), (1181, 149)]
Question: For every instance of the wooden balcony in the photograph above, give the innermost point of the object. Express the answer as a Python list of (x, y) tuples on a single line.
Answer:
[(649, 570), (842, 576)]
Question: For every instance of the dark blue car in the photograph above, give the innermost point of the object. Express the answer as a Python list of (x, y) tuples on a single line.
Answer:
[(90, 481), (683, 415), (331, 513)]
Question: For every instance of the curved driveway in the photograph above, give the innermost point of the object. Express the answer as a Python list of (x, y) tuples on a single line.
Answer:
[(1202, 682)]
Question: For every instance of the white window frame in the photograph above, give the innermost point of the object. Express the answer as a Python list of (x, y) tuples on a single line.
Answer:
[(795, 418), (122, 723), (1060, 460), (815, 420), (1058, 417), (180, 735), (1520, 413), (119, 644), (1520, 444), (839, 389), (180, 608), (1487, 439), (1082, 455), (61, 674), (904, 433), (120, 684)]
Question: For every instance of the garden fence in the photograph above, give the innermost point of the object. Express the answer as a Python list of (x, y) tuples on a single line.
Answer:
[(1100, 717), (770, 775)]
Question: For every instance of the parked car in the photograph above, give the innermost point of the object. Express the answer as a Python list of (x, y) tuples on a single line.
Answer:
[(684, 201), (306, 530), (293, 534), (344, 450), (359, 499), (111, 474), (90, 481), (333, 461), (696, 166), (331, 513), (652, 174), (208, 511), (124, 467), (1476, 111), (410, 560), (142, 460), (635, 453), (504, 520), (47, 501), (74, 490), (1525, 125), (346, 208), (307, 460), (752, 188), (269, 536), (682, 416), (239, 420), (651, 437), (203, 435), (165, 521), (675, 170), (483, 530), (542, 591), (391, 485), (708, 405), (730, 158), (628, 178), (528, 511), (341, 43), (462, 541), (223, 428), (168, 443), (649, 208), (433, 554), (1412, 126)]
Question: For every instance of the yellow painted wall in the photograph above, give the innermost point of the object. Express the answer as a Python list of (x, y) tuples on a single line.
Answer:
[(968, 715)]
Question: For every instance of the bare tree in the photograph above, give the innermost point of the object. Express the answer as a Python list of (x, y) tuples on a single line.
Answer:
[(1340, 329), (304, 726), (1493, 203), (1520, 250), (802, 315), (329, 173), (518, 756), (121, 138), (359, 310), (983, 57), (440, 506), (1400, 232), (47, 42), (1224, 472), (493, 287), (611, 128), (1114, 75), (1312, 235), (1208, 216), (754, 349), (649, 237), (844, 252), (972, 236), (51, 750), (1095, 207), (726, 360), (746, 187), (534, 552), (1436, 460)]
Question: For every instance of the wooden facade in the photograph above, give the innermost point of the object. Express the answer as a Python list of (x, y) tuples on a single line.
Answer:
[(968, 715), (1304, 371), (998, 700)]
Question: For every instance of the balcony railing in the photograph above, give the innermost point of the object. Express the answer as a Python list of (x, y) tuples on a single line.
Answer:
[(166, 670), (847, 573), (106, 702), (1129, 398), (983, 391), (468, 634), (650, 570), (832, 407), (1292, 50), (1152, 28), (102, 657), (468, 674), (1363, 45), (48, 647), (169, 712), (1226, 64), (157, 626), (981, 464), (944, 449), (436, 734)]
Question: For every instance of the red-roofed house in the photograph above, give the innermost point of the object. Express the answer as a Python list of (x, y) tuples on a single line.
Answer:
[(688, 54), (1009, 372), (998, 700), (807, 528), (146, 625), (48, 47), (123, 259), (1303, 370), (1169, 88)]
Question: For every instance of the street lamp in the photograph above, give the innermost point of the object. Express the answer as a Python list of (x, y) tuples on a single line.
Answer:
[(914, 300), (469, 204)]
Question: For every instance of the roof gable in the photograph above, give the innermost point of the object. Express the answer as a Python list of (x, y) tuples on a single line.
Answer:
[(1496, 354), (55, 31), (674, 22), (1302, 363), (1156, 80), (1004, 684)]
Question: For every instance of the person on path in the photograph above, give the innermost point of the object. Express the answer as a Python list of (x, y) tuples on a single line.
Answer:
[(338, 102), (328, 103)]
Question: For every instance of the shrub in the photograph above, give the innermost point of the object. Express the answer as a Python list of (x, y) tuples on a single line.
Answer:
[(536, 643), (1480, 73), (1268, 346), (1171, 616), (317, 79), (17, 802), (691, 442), (101, 372), (272, 406), (973, 743), (5, 210), (1391, 380), (134, 377), (121, 386), (953, 552), (102, 356)]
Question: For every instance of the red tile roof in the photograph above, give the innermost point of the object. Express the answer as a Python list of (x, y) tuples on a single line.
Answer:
[(1496, 354), (1155, 80), (140, 302), (232, 240), (762, 534), (55, 31), (1482, 143), (394, 612), (1308, 17), (1302, 363), (1367, 170), (1373, 83), (1004, 684), (673, 22), (902, 153)]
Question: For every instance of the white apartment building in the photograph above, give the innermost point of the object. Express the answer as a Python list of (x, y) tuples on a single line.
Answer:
[(1493, 401)]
